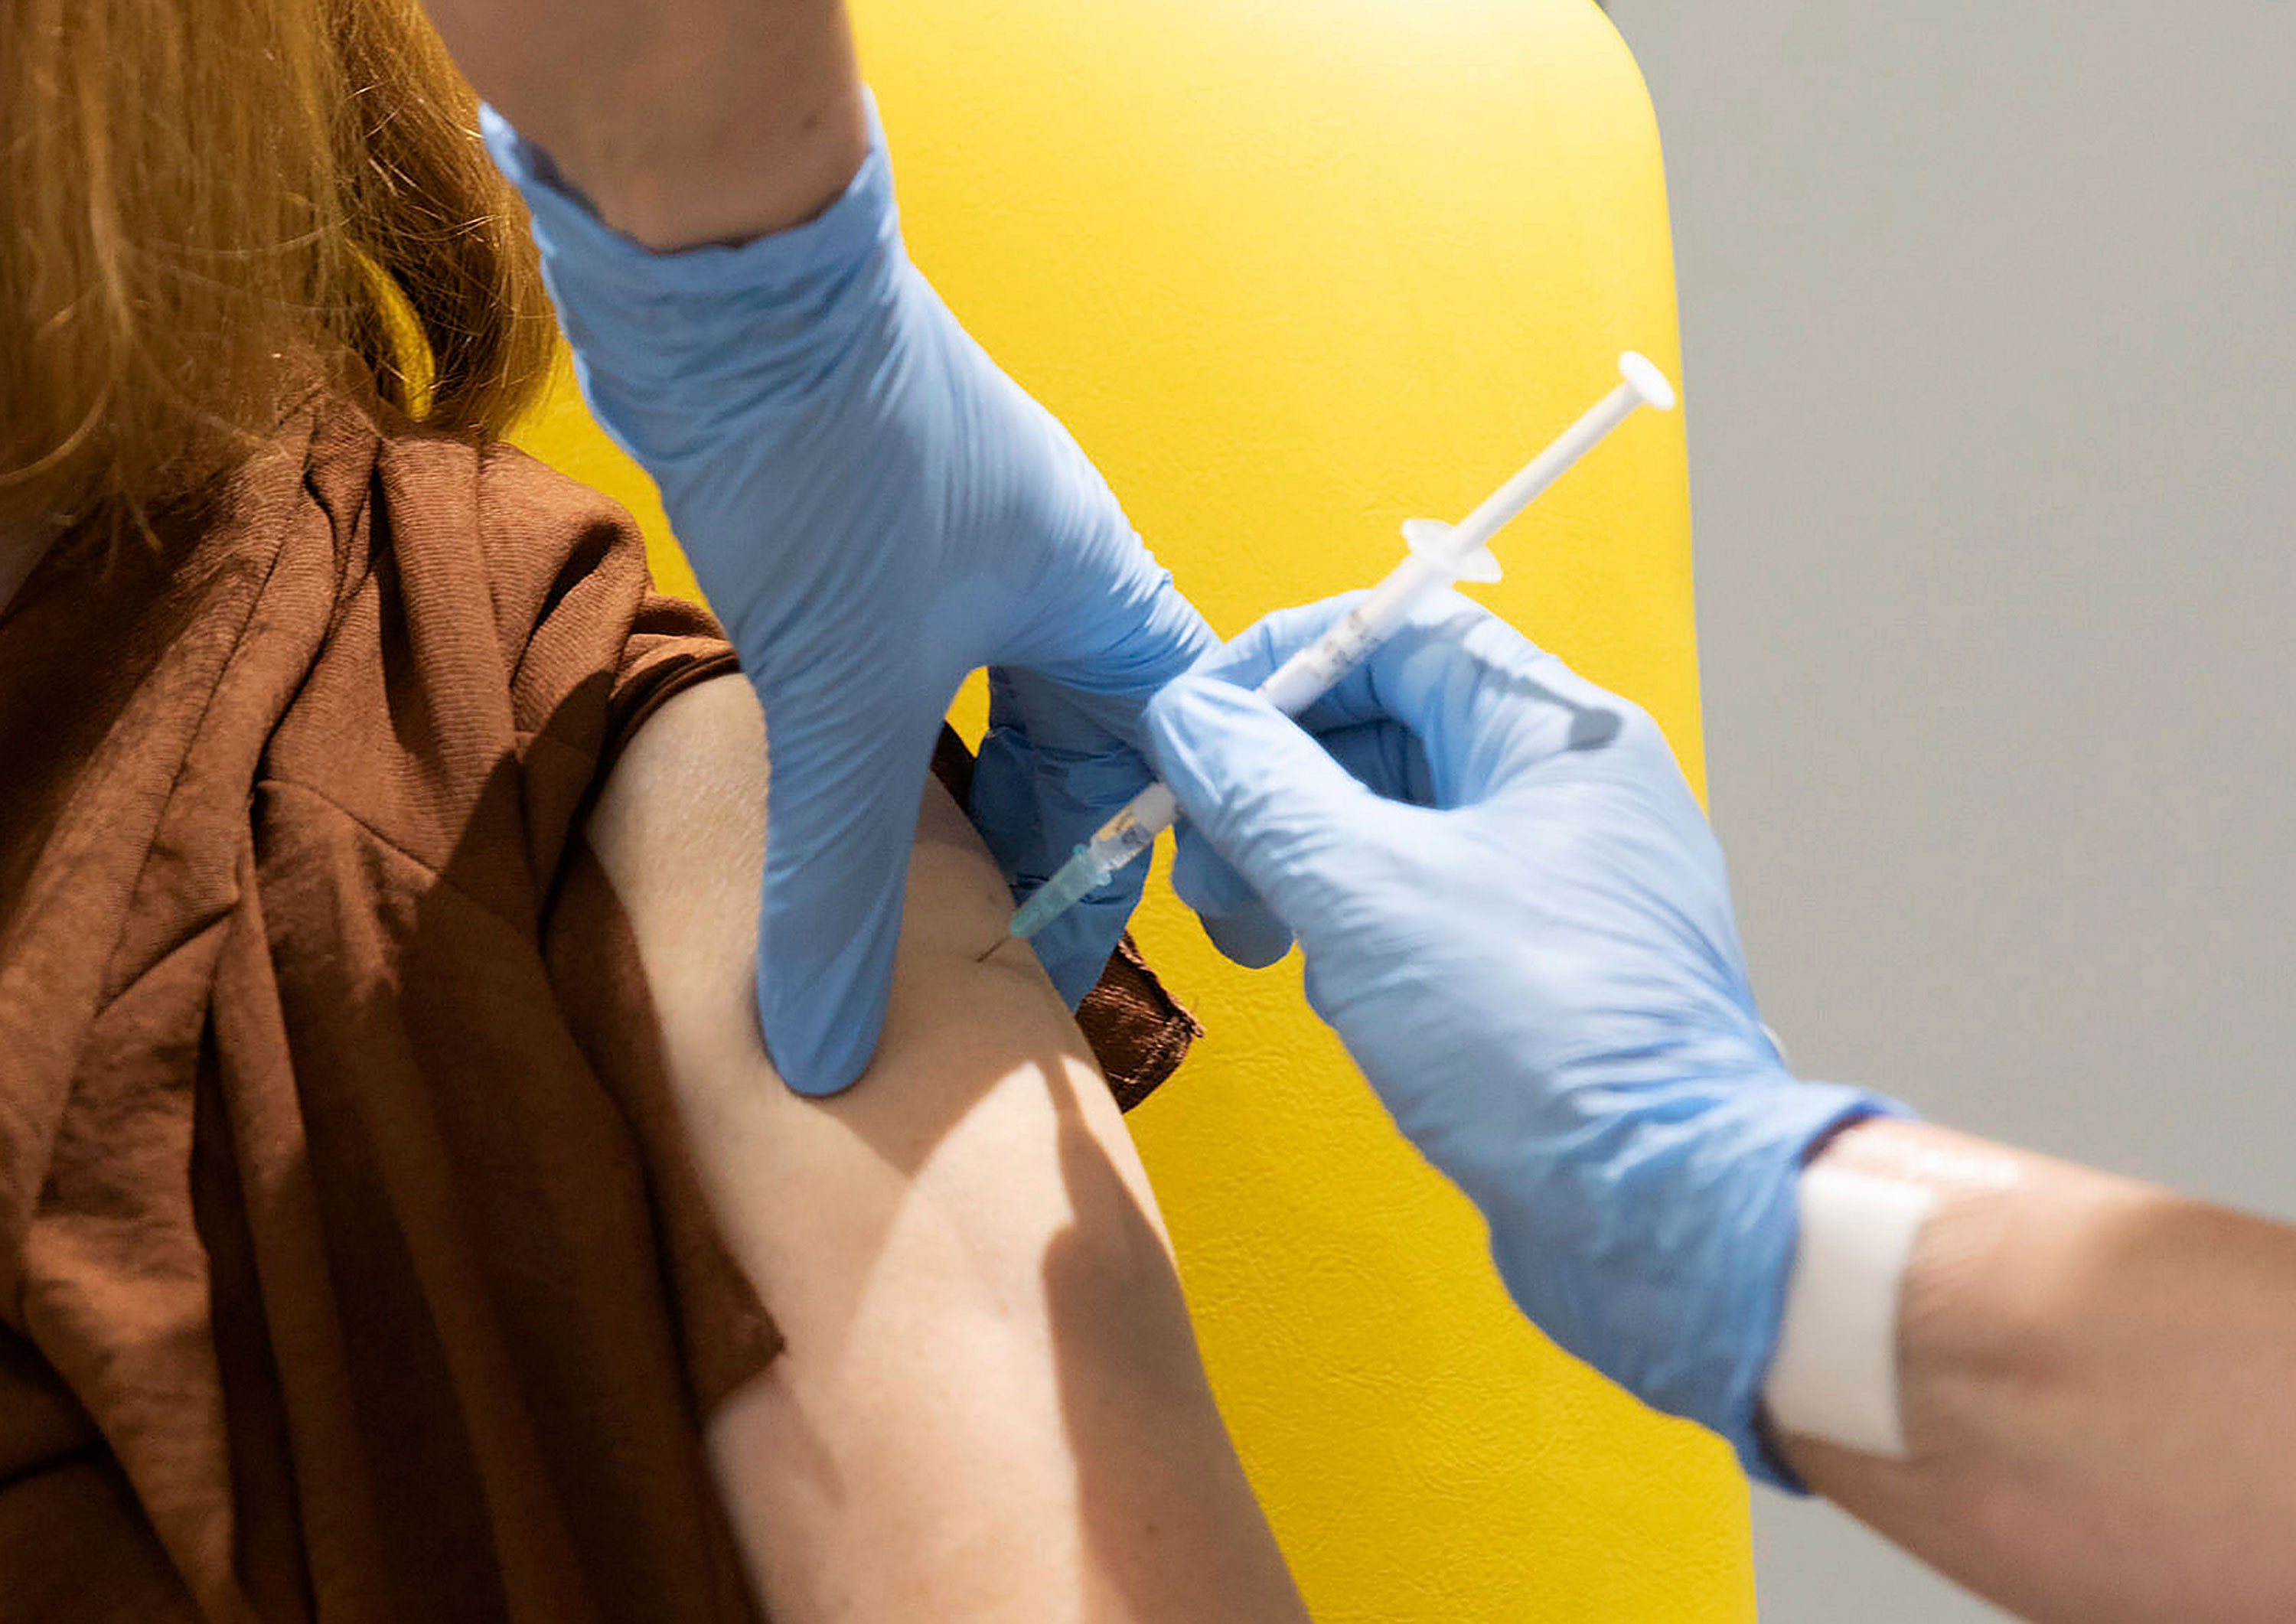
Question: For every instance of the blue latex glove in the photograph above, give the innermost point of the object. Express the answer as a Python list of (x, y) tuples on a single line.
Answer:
[(874, 509), (1515, 916)]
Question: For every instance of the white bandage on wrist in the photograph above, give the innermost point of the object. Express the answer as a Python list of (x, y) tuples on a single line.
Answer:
[(1835, 1373)]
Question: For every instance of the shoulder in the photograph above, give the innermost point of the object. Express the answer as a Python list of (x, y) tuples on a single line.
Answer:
[(490, 640), (461, 515), (679, 827)]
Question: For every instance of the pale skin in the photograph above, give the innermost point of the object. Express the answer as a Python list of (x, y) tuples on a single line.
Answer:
[(2098, 1384), (990, 1405), (682, 123)]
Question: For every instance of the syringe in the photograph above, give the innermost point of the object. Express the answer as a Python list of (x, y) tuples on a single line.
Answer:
[(1439, 554)]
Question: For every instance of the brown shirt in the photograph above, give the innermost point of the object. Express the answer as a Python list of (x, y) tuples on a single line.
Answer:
[(350, 1263)]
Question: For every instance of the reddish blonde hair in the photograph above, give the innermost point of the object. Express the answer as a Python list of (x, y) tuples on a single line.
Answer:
[(197, 197)]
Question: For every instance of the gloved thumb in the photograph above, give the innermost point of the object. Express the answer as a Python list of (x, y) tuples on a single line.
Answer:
[(842, 817), (1264, 792)]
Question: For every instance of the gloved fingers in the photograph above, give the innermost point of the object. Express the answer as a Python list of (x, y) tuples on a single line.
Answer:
[(1264, 793), (1250, 657), (841, 819), (1077, 755), (1002, 803), (1048, 775), (1381, 756), (1233, 916), (1482, 701), (1054, 715)]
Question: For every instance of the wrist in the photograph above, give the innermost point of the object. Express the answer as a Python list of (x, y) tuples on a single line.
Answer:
[(1683, 1312), (1834, 1374), (1897, 1218), (668, 343)]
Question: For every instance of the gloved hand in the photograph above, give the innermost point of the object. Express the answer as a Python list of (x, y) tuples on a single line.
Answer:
[(1515, 916), (874, 509)]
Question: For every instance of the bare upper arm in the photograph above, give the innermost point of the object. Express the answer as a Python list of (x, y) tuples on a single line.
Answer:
[(991, 1403)]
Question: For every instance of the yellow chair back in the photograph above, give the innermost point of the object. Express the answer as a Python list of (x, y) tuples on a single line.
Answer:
[(1294, 271)]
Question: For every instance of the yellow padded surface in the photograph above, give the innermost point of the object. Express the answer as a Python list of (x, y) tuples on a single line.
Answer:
[(1294, 270)]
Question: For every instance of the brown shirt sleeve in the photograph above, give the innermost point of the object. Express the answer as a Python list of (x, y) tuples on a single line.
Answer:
[(352, 1259), (340, 1280)]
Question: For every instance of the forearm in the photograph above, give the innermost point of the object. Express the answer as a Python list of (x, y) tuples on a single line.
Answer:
[(683, 123), (2097, 1387)]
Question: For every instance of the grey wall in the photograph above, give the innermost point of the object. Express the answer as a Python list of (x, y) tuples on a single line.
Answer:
[(1990, 317)]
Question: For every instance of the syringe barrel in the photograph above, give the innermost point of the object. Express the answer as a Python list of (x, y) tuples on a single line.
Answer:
[(1309, 674), (1134, 829), (1297, 684)]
